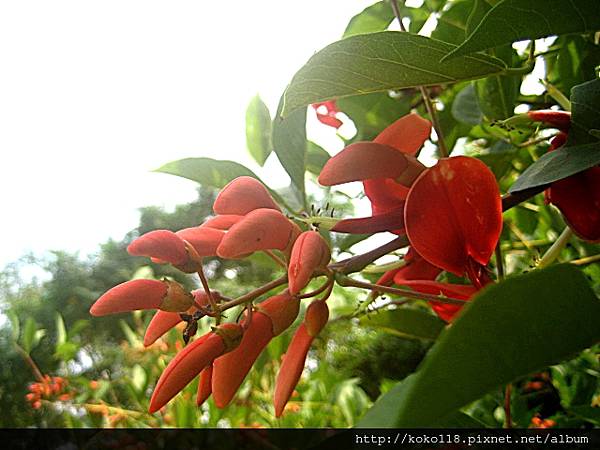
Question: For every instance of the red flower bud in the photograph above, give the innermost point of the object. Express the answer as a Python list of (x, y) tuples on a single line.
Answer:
[(204, 385), (316, 316), (261, 229), (160, 244), (282, 309), (204, 240), (310, 252), (453, 214), (230, 369), (242, 195), (190, 361), (162, 322)]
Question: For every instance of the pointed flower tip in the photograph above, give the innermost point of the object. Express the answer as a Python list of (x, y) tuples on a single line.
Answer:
[(261, 229), (316, 317), (407, 134), (557, 119), (365, 161), (310, 252), (282, 310), (130, 296), (163, 245), (242, 195), (162, 322), (204, 240)]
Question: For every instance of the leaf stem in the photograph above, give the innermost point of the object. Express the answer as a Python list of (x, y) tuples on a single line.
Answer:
[(27, 358)]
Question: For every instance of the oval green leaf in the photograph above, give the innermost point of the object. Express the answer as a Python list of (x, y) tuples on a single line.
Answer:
[(509, 330), (258, 130), (381, 61)]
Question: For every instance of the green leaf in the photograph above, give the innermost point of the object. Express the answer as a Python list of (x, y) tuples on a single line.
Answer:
[(210, 172), (15, 327), (378, 62), (132, 338), (465, 107), (585, 101), (516, 20), (66, 351), (453, 23), (405, 322), (509, 330), (289, 144), (558, 164), (376, 17), (139, 378), (258, 130), (61, 331), (316, 158), (476, 15)]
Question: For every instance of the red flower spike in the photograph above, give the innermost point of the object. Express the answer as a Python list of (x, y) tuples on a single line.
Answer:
[(230, 370), (445, 311), (204, 385), (282, 309), (557, 119), (130, 296), (291, 368), (453, 214), (368, 160), (261, 229), (223, 222), (204, 240), (160, 244), (190, 361), (392, 220), (163, 321), (242, 195), (310, 252)]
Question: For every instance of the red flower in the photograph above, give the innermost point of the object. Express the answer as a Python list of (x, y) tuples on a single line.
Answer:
[(326, 112)]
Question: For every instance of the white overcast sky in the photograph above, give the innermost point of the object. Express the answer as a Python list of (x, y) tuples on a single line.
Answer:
[(96, 94)]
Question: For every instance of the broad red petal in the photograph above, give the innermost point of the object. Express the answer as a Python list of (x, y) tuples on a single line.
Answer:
[(416, 268), (558, 119), (242, 195), (392, 220), (407, 134), (453, 212)]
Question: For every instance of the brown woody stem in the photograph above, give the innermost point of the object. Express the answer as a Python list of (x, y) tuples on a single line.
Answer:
[(359, 262), (248, 297)]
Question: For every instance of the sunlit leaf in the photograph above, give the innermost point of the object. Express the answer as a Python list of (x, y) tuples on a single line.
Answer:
[(258, 130)]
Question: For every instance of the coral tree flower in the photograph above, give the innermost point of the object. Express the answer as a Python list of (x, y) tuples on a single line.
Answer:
[(326, 113), (310, 252), (577, 196)]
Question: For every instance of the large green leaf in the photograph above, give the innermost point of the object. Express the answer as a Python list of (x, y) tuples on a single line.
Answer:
[(380, 61), (374, 18), (509, 330), (585, 107), (410, 323), (209, 172), (516, 20), (289, 144), (258, 130), (465, 107), (453, 23), (558, 164)]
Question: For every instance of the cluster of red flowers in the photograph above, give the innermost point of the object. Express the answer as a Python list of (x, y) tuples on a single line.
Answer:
[(247, 220), (50, 388)]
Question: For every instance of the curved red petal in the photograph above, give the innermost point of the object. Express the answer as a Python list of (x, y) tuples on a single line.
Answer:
[(230, 370), (291, 368), (310, 252), (558, 119), (316, 317), (160, 244), (242, 195), (161, 322), (392, 220), (186, 365), (365, 161), (453, 212), (204, 240), (261, 229), (416, 268), (407, 134), (204, 385), (130, 296)]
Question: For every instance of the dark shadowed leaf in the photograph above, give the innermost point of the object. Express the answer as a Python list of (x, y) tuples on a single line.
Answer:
[(316, 157), (405, 322), (378, 62), (510, 330), (516, 20), (465, 107), (585, 101)]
